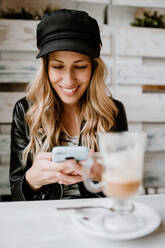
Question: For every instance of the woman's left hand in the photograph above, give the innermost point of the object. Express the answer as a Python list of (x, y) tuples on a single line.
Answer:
[(73, 174)]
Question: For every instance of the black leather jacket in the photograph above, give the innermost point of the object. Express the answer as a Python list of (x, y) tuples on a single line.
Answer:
[(20, 190)]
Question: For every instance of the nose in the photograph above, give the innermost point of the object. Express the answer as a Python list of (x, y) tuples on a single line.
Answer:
[(69, 78)]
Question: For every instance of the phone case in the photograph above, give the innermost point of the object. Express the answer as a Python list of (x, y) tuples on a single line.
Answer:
[(61, 153)]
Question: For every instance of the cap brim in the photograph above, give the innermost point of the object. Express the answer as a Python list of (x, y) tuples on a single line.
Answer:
[(74, 45)]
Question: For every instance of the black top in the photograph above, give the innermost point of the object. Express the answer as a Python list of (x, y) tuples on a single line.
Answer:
[(20, 190)]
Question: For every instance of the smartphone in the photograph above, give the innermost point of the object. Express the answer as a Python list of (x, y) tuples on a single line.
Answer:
[(61, 153)]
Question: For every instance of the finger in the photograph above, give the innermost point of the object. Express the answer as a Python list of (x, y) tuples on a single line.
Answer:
[(63, 182), (53, 167), (44, 155), (96, 172), (49, 178), (77, 168), (73, 173), (69, 165), (91, 151), (69, 179), (68, 171)]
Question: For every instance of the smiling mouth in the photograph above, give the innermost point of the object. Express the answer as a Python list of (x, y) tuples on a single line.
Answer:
[(69, 90)]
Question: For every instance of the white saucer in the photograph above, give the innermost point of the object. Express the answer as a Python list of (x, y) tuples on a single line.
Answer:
[(91, 221)]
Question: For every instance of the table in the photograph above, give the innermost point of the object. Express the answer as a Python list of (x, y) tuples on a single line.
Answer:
[(38, 224)]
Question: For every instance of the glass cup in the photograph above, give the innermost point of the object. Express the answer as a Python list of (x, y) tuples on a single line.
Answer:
[(121, 157)]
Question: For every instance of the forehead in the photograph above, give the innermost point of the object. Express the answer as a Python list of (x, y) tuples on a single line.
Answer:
[(68, 56)]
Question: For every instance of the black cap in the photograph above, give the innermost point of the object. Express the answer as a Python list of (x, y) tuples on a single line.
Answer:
[(68, 30)]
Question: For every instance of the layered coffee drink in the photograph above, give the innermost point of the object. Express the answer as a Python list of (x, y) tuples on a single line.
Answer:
[(122, 172), (120, 187)]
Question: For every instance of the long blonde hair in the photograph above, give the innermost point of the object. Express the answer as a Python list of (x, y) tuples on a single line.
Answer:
[(44, 114)]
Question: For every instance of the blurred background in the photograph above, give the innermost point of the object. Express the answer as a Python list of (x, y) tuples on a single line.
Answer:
[(133, 36)]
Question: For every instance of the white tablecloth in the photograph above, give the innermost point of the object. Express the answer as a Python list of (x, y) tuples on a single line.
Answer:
[(39, 224)]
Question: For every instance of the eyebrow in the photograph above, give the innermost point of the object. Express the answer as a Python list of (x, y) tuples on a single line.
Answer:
[(81, 60), (77, 61), (53, 59)]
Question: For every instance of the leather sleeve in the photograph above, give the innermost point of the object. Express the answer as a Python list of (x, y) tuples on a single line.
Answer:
[(121, 123), (20, 190)]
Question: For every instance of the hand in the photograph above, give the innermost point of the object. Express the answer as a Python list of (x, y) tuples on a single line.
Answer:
[(72, 174), (44, 171), (95, 172)]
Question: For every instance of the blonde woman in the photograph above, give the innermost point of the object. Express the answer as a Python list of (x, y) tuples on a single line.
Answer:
[(66, 104)]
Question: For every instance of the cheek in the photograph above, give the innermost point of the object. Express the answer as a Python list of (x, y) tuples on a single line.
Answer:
[(85, 77), (54, 78)]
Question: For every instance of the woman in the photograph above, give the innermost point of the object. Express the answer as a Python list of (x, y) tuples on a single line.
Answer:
[(66, 104)]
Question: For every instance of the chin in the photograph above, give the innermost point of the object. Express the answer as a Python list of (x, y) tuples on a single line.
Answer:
[(69, 101)]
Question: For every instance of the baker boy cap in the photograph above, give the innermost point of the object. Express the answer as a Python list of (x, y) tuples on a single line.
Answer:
[(68, 30)]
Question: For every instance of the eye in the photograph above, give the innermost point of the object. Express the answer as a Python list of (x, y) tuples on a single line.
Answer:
[(58, 67), (81, 67)]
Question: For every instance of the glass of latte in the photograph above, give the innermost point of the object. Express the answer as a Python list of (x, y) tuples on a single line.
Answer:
[(121, 157)]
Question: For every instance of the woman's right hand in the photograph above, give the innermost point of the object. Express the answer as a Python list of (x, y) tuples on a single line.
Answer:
[(44, 171)]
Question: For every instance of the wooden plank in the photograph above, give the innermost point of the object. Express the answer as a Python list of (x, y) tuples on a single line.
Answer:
[(4, 180), (5, 128), (154, 170), (140, 74), (93, 1), (153, 88), (121, 89), (156, 141), (7, 102), (95, 10), (119, 60), (4, 144), (44, 3), (18, 71), (155, 134), (135, 126), (11, 87), (137, 41), (144, 107), (153, 127), (5, 159), (18, 56), (140, 3), (154, 61), (106, 48), (18, 35), (120, 16)]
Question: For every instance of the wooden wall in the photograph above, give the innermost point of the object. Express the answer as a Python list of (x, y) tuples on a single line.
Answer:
[(139, 79), (135, 58)]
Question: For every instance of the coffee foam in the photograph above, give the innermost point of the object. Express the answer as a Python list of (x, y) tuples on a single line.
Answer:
[(123, 159)]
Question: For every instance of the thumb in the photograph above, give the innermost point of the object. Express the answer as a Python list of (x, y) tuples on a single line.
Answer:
[(91, 151)]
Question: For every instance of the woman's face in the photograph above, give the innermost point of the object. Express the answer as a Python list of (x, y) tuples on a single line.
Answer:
[(69, 74)]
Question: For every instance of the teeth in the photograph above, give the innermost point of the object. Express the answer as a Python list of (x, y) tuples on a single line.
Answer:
[(69, 90)]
